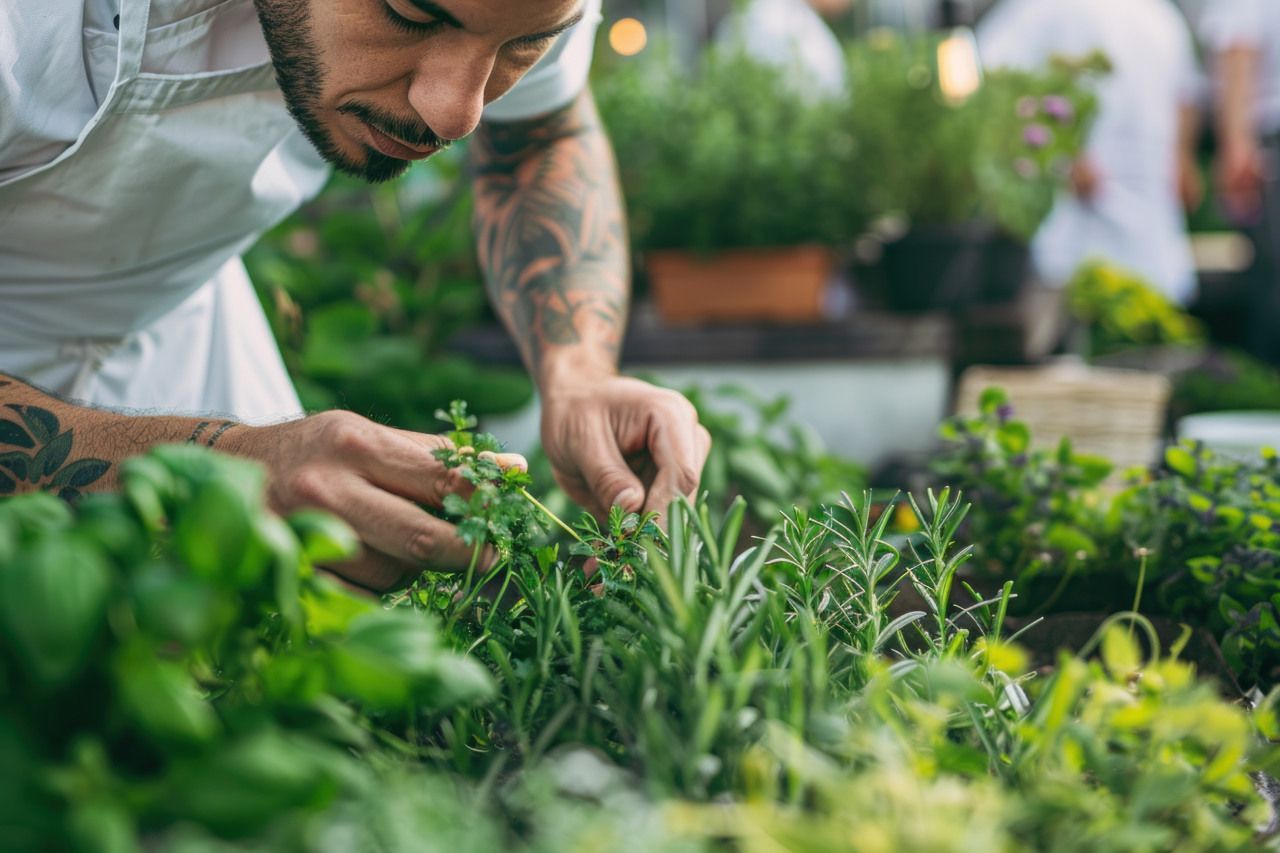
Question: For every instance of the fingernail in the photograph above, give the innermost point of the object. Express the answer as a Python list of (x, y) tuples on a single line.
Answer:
[(628, 499)]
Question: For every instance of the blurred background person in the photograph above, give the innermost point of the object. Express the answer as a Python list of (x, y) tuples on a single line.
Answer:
[(1243, 37), (1137, 177), (792, 35)]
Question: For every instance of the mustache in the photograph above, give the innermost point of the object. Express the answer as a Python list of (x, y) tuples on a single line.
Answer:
[(410, 131)]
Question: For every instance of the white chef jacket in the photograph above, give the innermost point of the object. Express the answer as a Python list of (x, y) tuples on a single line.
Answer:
[(136, 165), (1136, 220), (790, 35), (1250, 23)]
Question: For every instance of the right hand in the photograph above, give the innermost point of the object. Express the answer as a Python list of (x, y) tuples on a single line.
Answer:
[(372, 477), (1240, 174)]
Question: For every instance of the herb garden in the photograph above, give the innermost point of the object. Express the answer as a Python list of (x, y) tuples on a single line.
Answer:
[(1031, 652), (178, 674)]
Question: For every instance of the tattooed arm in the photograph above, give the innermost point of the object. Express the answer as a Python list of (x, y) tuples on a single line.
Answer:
[(552, 242), (49, 444), (371, 476)]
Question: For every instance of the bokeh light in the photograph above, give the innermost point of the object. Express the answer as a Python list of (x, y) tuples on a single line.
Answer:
[(628, 36)]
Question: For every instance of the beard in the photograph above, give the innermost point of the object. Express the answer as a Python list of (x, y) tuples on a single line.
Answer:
[(286, 25)]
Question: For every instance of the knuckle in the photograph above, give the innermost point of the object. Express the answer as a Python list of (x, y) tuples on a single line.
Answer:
[(686, 477), (347, 433), (307, 487), (423, 546)]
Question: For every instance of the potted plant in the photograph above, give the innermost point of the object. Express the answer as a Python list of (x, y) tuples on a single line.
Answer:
[(736, 188), (957, 187)]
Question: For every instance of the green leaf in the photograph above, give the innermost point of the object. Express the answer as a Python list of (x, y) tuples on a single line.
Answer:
[(161, 699), (1181, 461), (991, 400), (325, 539), (53, 598), (212, 534)]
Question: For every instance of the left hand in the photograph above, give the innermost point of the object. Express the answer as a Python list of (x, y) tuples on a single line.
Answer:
[(614, 441)]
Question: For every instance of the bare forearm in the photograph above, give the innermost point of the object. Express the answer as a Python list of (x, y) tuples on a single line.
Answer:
[(552, 239), (56, 446), (1238, 70)]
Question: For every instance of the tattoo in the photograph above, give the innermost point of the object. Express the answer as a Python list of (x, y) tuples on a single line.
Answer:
[(551, 236), (219, 432), (41, 453), (195, 433)]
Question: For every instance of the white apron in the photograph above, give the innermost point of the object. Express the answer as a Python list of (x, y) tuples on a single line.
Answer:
[(120, 277)]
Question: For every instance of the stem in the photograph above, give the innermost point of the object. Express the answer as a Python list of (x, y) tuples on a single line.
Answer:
[(466, 585), (551, 515), (1143, 553)]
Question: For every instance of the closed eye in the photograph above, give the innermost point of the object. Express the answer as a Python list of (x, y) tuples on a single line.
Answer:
[(408, 25)]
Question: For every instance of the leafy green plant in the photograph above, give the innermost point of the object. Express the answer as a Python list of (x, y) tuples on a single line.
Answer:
[(1036, 513), (1226, 381), (727, 159), (174, 675), (1119, 309), (1001, 155)]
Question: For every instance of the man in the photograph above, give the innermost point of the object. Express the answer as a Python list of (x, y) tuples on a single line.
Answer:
[(1244, 39), (792, 35), (144, 144), (1138, 171)]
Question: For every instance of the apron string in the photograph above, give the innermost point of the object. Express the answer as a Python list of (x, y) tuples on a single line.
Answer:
[(135, 15)]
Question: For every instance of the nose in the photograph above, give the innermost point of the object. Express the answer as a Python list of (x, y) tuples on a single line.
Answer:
[(449, 95)]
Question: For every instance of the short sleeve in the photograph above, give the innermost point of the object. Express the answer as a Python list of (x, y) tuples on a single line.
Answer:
[(1232, 23), (557, 79)]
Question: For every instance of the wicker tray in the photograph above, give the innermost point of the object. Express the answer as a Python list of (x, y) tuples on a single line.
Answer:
[(1119, 414)]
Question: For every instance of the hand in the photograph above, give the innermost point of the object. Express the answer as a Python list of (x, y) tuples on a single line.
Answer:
[(614, 441), (1086, 179), (1239, 176), (1190, 185), (372, 477)]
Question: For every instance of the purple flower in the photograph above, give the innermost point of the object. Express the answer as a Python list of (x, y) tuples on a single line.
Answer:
[(1037, 135), (1027, 108), (1004, 412), (1058, 108), (1026, 168)]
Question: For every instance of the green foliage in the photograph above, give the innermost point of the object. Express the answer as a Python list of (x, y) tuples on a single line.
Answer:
[(731, 158), (364, 288), (1120, 309), (1212, 528), (168, 655), (1002, 155), (1036, 515), (1226, 382), (1201, 531), (645, 690)]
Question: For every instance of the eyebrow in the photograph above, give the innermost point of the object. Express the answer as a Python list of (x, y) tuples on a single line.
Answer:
[(440, 13)]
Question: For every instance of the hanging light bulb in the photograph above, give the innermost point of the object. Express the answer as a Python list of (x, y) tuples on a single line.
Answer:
[(959, 69), (959, 72)]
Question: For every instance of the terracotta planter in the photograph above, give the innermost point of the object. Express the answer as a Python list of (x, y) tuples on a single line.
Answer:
[(741, 286)]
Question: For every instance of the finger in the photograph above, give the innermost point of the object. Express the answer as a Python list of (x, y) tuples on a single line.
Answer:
[(679, 453), (404, 463), (400, 530), (610, 481), (372, 571), (507, 461)]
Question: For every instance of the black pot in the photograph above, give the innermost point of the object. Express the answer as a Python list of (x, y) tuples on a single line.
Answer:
[(1008, 269), (935, 268)]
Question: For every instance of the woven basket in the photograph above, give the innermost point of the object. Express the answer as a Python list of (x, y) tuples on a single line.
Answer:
[(1119, 414)]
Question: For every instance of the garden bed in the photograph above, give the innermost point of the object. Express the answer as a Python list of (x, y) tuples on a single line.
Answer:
[(177, 675)]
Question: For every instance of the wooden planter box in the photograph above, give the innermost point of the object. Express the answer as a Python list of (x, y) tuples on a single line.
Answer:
[(741, 286)]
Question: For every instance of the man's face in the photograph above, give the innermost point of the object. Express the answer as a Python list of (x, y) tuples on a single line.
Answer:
[(376, 84)]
